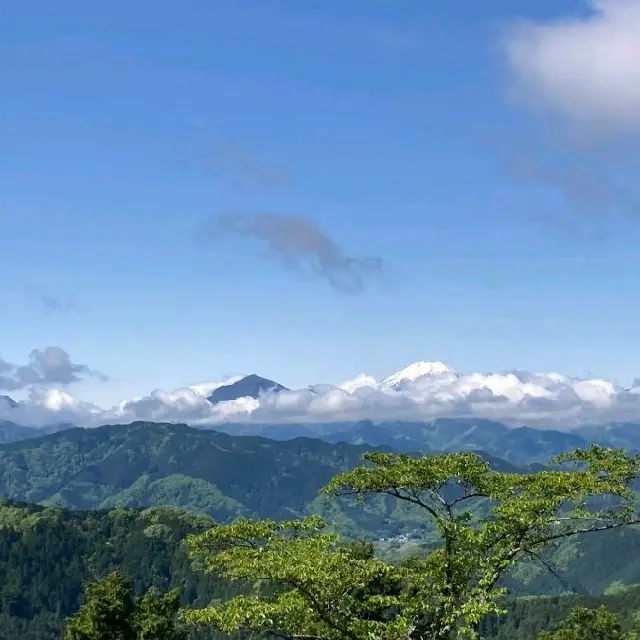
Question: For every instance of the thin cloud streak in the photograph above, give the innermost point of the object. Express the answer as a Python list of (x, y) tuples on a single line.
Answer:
[(299, 244)]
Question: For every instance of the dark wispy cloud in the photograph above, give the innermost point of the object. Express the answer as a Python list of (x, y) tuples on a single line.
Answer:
[(53, 304), (234, 164), (243, 168), (580, 191), (299, 244), (45, 367), (588, 186)]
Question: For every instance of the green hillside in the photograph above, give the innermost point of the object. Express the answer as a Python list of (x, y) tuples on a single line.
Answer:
[(47, 555), (96, 490), (525, 617), (143, 464), (223, 476)]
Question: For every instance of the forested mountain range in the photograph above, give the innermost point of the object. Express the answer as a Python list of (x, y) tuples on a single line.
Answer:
[(97, 485), (222, 476), (144, 464), (519, 445)]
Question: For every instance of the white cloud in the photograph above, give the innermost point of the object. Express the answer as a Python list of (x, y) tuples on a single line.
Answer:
[(360, 381), (587, 68), (52, 406), (516, 397), (45, 367)]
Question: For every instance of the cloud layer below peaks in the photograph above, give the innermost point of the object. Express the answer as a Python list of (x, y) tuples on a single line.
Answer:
[(516, 397)]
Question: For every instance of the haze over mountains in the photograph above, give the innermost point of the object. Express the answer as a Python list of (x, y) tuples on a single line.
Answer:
[(423, 391)]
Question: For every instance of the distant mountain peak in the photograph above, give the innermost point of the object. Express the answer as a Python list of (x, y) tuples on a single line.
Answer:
[(417, 370), (6, 401), (207, 388), (251, 386)]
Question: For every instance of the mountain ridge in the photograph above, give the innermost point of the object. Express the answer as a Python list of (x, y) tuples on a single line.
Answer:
[(222, 475), (142, 464), (518, 445)]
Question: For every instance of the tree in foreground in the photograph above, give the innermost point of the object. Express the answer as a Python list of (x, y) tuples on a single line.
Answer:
[(110, 612), (307, 585), (589, 624), (320, 589)]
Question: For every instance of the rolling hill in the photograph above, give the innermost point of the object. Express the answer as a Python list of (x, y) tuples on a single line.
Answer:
[(142, 464)]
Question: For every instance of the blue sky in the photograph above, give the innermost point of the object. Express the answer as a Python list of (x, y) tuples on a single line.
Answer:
[(126, 125)]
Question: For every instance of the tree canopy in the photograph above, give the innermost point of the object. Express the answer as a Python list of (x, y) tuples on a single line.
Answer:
[(310, 585), (111, 613), (589, 624)]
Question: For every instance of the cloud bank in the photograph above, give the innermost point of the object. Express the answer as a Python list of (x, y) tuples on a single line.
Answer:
[(584, 68), (515, 397)]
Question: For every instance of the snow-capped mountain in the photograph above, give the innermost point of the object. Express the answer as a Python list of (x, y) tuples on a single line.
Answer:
[(408, 375), (418, 370), (422, 391)]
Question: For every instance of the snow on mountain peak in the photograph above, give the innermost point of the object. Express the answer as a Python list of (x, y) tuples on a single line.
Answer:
[(422, 391), (417, 370)]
